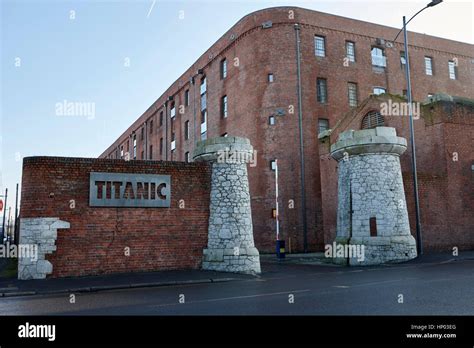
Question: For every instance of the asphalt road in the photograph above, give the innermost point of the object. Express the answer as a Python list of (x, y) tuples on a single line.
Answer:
[(445, 288)]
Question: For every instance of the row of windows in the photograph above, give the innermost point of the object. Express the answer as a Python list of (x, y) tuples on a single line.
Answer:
[(371, 120), (224, 111), (322, 92), (378, 56), (150, 152), (378, 60), (429, 70)]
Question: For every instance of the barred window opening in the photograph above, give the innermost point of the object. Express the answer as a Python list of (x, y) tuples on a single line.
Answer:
[(372, 119)]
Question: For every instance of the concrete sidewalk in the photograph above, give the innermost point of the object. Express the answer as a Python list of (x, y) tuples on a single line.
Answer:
[(14, 287), (318, 258)]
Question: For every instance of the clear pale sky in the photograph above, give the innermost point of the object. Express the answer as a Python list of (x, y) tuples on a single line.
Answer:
[(47, 57)]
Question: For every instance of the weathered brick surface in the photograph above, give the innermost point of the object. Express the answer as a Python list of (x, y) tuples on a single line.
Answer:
[(158, 238), (251, 100), (444, 142)]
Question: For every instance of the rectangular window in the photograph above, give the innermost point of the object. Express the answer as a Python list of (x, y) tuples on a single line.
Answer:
[(142, 134), (223, 68), (452, 70), (186, 157), (352, 93), (203, 87), (173, 110), (186, 130), (173, 141), (273, 165), (134, 146), (322, 94), (121, 151), (142, 155), (186, 97), (323, 125), (378, 57), (161, 146), (428, 66), (203, 101), (320, 46), (403, 60), (271, 120), (270, 77), (151, 127), (379, 90), (203, 123), (161, 118), (350, 51), (150, 154), (224, 107)]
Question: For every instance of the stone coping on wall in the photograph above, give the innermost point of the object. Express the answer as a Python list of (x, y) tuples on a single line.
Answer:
[(229, 149), (375, 140)]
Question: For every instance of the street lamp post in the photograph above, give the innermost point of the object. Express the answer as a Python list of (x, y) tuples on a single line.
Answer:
[(2, 235), (419, 240)]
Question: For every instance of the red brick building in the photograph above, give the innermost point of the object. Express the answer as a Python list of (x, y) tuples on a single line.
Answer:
[(247, 84)]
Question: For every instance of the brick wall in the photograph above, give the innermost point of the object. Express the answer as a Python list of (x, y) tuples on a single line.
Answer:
[(252, 53), (444, 138), (158, 238)]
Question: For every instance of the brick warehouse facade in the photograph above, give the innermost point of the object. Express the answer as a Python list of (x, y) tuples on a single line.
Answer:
[(246, 85)]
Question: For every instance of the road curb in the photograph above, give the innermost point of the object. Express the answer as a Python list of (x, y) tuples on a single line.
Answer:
[(115, 287)]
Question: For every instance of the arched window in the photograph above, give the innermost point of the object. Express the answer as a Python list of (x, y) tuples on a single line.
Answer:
[(372, 119)]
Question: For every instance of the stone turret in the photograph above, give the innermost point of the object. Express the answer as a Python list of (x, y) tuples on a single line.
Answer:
[(372, 210), (230, 245)]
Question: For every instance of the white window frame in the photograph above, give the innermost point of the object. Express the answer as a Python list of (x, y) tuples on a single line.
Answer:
[(378, 60), (223, 68), (350, 55), (428, 66), (319, 50), (352, 94), (452, 70), (225, 112)]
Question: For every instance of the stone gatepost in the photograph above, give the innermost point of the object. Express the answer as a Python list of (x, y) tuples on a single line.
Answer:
[(230, 246), (372, 213)]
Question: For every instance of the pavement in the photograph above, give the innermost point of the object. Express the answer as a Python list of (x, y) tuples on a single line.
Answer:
[(294, 265), (442, 288), (14, 287)]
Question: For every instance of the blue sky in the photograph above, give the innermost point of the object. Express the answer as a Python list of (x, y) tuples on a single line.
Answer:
[(50, 54)]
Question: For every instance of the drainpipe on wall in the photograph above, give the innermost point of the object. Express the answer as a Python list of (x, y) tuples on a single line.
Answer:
[(300, 123), (193, 82)]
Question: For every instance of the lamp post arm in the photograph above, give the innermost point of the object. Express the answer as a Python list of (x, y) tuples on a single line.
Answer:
[(416, 14)]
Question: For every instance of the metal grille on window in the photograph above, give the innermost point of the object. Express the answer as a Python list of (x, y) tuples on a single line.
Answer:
[(372, 119)]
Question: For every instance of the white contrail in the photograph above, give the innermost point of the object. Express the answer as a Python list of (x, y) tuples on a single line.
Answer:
[(151, 8)]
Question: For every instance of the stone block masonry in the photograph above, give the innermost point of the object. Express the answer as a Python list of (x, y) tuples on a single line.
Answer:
[(41, 233), (230, 244), (372, 209)]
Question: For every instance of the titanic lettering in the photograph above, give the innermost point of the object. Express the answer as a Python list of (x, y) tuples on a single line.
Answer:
[(129, 190)]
